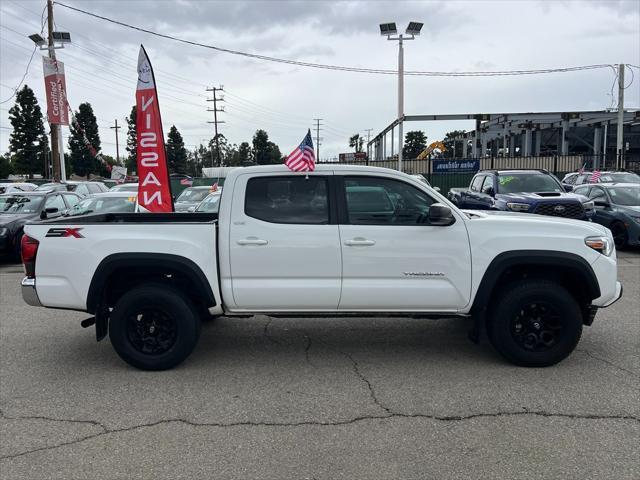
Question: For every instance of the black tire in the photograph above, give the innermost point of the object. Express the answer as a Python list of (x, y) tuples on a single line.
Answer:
[(535, 323), (620, 235), (154, 327)]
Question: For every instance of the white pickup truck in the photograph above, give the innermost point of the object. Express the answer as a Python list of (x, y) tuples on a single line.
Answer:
[(340, 241)]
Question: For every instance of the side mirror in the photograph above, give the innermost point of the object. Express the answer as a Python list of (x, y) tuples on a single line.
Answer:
[(48, 211), (437, 189), (568, 188), (440, 215)]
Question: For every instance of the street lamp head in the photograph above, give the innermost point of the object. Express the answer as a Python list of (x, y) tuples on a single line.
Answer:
[(387, 29), (37, 39), (414, 28), (61, 37)]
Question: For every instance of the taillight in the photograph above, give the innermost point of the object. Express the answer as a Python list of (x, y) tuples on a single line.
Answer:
[(29, 248)]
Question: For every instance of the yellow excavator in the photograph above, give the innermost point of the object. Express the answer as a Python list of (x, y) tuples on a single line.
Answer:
[(435, 146)]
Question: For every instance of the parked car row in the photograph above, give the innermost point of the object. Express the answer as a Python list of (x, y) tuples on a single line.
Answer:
[(605, 201)]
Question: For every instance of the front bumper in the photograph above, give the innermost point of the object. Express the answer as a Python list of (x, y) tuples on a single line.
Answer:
[(29, 293), (616, 297)]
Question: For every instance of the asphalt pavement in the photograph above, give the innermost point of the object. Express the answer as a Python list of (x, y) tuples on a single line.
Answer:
[(317, 398)]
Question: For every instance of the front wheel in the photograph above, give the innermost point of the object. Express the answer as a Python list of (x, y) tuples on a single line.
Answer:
[(153, 327), (620, 235), (535, 323)]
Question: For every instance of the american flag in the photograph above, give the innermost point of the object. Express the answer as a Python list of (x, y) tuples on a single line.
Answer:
[(186, 181), (595, 176), (302, 159)]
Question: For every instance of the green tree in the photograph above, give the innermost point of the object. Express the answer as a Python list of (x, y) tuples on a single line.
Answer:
[(28, 142), (414, 143), (454, 149), (131, 161), (176, 153), (261, 147), (6, 167), (356, 142), (275, 156), (83, 160), (244, 153)]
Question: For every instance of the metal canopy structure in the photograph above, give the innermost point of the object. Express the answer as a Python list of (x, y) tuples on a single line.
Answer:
[(525, 133)]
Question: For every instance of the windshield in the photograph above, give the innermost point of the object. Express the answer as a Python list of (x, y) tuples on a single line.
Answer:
[(104, 205), (528, 182), (210, 204), (627, 196), (620, 177), (20, 204), (193, 195), (50, 186)]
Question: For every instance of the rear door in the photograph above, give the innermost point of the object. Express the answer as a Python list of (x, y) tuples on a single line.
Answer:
[(284, 247), (393, 260)]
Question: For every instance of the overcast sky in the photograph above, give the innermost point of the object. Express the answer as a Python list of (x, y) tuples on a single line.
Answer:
[(283, 99)]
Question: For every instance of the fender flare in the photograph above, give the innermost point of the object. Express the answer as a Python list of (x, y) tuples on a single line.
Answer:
[(506, 260), (141, 260)]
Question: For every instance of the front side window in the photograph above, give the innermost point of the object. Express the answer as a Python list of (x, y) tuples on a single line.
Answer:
[(582, 191), (71, 199), (383, 201), (597, 194), (487, 186), (55, 201), (477, 183), (288, 199)]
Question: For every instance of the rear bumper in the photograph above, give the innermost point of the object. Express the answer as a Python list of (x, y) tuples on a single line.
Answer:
[(29, 293)]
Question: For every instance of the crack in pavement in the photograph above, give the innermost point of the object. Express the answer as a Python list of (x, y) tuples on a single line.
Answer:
[(266, 332), (364, 418), (608, 362)]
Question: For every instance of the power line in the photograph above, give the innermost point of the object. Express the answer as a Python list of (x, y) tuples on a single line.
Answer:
[(339, 67)]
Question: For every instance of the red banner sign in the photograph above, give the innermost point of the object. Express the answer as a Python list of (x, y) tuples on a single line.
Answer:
[(56, 89), (154, 187)]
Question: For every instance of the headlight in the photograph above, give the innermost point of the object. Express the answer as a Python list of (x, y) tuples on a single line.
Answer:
[(518, 207), (3, 231), (603, 245)]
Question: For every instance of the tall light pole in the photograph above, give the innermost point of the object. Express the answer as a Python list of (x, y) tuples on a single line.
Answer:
[(390, 31)]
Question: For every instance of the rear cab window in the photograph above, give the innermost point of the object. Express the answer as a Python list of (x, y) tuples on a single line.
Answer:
[(288, 199)]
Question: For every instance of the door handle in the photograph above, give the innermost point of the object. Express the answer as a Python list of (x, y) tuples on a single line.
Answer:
[(252, 241), (359, 242)]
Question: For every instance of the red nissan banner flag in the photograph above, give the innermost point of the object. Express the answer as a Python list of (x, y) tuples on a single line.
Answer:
[(154, 187), (56, 89)]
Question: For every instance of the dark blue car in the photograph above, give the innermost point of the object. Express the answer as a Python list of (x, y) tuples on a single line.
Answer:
[(525, 191)]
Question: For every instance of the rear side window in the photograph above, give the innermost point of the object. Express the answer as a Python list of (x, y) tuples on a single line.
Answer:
[(288, 199), (487, 186)]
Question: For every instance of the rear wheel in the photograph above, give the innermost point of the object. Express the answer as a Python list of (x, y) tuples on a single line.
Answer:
[(154, 327), (620, 235), (535, 323)]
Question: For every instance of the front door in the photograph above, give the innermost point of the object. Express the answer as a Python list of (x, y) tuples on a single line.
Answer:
[(392, 258), (284, 244)]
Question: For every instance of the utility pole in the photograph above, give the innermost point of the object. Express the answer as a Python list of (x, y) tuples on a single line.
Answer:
[(318, 125), (56, 131), (116, 128), (368, 130), (215, 111), (620, 127)]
